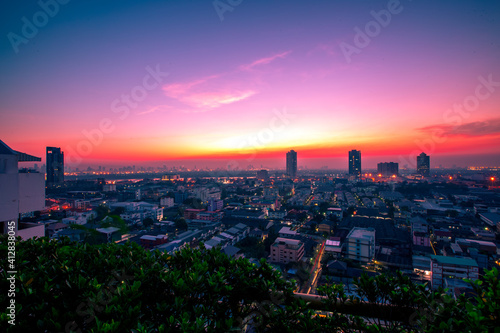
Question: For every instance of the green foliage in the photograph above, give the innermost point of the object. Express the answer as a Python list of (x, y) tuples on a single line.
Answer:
[(116, 222), (102, 211), (252, 247), (482, 314), (393, 303), (62, 286), (65, 286)]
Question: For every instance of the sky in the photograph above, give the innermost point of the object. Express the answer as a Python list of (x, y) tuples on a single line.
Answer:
[(239, 82)]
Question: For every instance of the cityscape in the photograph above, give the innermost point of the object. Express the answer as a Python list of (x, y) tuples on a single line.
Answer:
[(252, 167)]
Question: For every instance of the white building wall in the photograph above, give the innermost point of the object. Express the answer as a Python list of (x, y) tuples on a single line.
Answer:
[(31, 192), (33, 231), (9, 203)]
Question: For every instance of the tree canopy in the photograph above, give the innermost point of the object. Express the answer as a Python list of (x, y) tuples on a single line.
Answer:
[(62, 286)]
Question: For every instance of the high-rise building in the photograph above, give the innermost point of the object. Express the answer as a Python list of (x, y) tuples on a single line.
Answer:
[(423, 164), (388, 169), (355, 162), (291, 163), (55, 166)]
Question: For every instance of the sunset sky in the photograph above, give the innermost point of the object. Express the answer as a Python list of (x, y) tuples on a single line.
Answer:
[(184, 82)]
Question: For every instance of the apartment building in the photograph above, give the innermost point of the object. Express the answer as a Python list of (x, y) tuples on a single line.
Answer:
[(285, 250), (360, 244)]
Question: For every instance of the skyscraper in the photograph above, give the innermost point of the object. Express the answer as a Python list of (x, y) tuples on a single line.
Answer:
[(355, 162), (291, 163), (423, 164), (55, 166)]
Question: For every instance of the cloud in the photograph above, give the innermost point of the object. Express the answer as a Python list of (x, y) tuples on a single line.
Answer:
[(264, 61), (472, 129), (219, 89), (213, 100), (161, 108), (176, 90)]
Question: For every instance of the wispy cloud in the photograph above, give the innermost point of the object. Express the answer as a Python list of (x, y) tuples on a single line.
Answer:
[(213, 100), (220, 89), (176, 90), (161, 108), (264, 61), (472, 129)]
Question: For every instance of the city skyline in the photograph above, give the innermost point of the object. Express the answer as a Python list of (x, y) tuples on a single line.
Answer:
[(184, 84), (56, 165)]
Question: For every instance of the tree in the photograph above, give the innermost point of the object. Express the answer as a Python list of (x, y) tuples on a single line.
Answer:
[(318, 218), (181, 224), (147, 222), (193, 202), (115, 221), (349, 211), (65, 286), (118, 211), (323, 207), (102, 211)]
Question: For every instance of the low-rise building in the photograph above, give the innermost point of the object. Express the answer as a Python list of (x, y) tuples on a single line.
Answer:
[(149, 242), (167, 202), (337, 211), (276, 214), (285, 250), (286, 232), (443, 268), (360, 244)]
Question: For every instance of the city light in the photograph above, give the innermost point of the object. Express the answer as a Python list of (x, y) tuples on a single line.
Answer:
[(197, 139)]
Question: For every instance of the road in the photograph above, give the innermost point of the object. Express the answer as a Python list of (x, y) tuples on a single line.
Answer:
[(315, 271)]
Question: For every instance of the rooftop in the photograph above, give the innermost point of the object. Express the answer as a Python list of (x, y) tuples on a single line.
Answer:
[(366, 233), (295, 243), (108, 230), (454, 261), (22, 157)]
